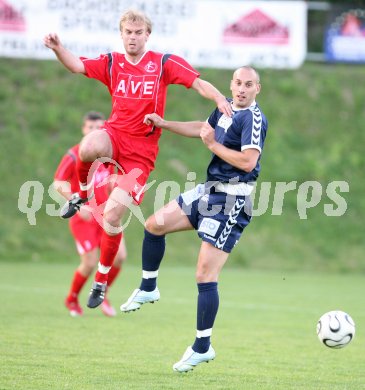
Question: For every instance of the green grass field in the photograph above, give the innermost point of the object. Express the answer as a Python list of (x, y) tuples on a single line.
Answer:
[(264, 336), (272, 295)]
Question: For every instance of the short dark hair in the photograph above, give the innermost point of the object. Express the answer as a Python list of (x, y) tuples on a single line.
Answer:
[(93, 116)]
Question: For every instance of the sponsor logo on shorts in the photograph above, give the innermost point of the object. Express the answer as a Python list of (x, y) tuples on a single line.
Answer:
[(209, 226)]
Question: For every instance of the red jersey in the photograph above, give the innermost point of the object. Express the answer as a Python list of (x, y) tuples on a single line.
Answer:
[(138, 89), (66, 171)]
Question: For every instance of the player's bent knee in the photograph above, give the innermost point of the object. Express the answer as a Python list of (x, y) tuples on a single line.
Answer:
[(111, 223), (88, 153), (94, 145), (153, 227)]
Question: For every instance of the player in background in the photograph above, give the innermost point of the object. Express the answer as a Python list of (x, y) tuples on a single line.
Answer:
[(219, 209), (85, 229), (137, 82)]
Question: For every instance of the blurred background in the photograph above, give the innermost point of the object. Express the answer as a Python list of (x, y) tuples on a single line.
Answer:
[(311, 58)]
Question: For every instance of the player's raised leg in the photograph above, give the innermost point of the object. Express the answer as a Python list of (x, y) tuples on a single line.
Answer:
[(106, 306), (210, 263), (94, 145), (116, 206), (167, 220)]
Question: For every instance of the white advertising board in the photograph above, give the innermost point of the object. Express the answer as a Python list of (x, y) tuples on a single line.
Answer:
[(216, 33)]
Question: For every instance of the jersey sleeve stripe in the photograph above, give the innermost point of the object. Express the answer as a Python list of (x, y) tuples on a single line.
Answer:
[(178, 63), (256, 127), (72, 154), (110, 65), (252, 146), (163, 60)]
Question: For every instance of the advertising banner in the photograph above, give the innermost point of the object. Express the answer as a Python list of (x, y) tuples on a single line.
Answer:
[(216, 33), (345, 37)]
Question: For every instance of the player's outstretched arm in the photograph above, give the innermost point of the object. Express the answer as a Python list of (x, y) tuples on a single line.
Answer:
[(187, 129), (208, 91), (68, 59)]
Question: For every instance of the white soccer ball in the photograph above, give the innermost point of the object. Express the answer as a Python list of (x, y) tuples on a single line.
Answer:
[(335, 329)]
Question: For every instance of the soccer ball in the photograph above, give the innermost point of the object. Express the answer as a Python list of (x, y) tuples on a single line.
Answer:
[(335, 329)]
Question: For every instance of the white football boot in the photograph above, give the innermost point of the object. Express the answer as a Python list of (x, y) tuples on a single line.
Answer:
[(191, 359), (138, 298)]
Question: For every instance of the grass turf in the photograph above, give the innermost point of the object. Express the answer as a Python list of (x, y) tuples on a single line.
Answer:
[(264, 334)]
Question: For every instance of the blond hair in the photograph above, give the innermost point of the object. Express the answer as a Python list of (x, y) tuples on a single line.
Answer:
[(135, 16)]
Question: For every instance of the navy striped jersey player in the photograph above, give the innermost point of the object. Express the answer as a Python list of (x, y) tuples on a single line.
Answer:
[(220, 209), (246, 129), (217, 209)]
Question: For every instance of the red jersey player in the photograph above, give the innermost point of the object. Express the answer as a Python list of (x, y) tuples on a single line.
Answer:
[(137, 82), (85, 229)]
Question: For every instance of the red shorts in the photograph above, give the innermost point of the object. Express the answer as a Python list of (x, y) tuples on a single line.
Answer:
[(136, 156), (87, 234)]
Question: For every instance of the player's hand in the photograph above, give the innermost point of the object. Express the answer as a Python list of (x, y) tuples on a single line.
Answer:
[(207, 134), (153, 120), (224, 106), (52, 41)]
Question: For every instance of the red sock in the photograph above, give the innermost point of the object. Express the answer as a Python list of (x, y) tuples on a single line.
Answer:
[(113, 273), (108, 249), (82, 169), (78, 282)]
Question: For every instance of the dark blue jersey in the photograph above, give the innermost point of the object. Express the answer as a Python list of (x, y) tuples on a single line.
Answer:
[(246, 129)]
